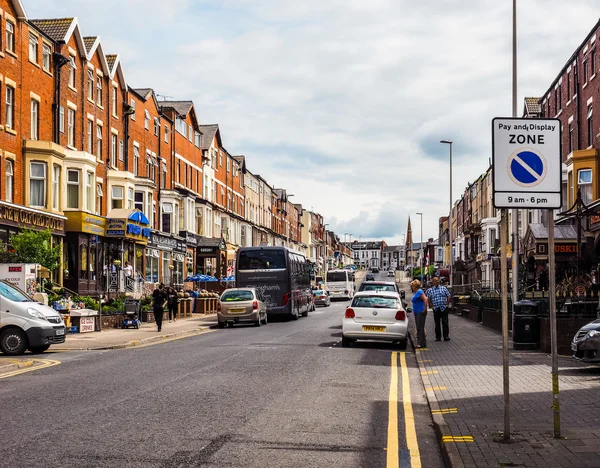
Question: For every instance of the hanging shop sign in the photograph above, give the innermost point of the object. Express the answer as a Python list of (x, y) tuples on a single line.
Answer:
[(78, 221)]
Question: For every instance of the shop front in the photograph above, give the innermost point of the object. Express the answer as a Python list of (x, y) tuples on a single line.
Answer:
[(84, 253), (165, 258), (13, 218), (127, 234), (191, 241), (211, 256)]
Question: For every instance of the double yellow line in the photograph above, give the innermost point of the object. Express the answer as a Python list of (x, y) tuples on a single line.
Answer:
[(43, 364), (393, 460)]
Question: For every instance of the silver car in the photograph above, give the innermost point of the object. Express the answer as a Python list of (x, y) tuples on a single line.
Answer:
[(241, 305), (375, 315), (586, 343), (321, 297)]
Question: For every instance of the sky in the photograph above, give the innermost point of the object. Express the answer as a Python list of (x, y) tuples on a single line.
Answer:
[(344, 102)]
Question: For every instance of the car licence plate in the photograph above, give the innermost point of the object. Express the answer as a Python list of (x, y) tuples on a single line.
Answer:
[(373, 329), (237, 311), (574, 346), (60, 332)]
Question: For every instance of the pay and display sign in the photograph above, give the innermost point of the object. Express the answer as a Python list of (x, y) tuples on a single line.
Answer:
[(526, 163)]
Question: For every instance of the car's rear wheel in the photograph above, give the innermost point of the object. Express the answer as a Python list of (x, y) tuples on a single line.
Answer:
[(402, 344), (258, 322), (346, 342), (265, 320)]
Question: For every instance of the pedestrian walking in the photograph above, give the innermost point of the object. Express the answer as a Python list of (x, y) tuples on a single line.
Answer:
[(159, 297), (420, 305), (172, 302), (128, 270), (439, 298)]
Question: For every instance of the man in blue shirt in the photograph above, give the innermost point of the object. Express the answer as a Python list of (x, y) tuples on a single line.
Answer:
[(439, 298)]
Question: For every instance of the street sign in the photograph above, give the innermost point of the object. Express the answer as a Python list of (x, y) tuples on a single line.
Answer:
[(526, 163)]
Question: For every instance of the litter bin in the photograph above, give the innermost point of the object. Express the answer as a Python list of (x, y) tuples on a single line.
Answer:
[(526, 327)]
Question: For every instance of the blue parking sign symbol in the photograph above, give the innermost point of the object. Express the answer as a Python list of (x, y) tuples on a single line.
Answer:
[(527, 167)]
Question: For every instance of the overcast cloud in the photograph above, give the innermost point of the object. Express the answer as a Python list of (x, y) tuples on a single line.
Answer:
[(343, 102)]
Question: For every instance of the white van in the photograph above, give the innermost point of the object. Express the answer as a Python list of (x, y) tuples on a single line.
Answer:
[(340, 284), (26, 324)]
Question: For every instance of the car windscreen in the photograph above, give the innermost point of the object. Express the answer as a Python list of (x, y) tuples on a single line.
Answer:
[(261, 260), (377, 287), (236, 296), (333, 276), (14, 294), (377, 302)]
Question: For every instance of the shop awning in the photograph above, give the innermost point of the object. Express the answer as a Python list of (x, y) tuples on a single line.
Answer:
[(131, 215)]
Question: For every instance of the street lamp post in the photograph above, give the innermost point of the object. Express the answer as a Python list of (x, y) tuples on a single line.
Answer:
[(422, 254), (449, 143)]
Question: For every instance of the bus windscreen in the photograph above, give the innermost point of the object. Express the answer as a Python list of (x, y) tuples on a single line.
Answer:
[(261, 260)]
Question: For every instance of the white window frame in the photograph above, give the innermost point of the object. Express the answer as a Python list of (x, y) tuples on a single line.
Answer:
[(166, 134), (62, 119), (71, 127), (89, 194), (35, 119), (114, 101), (99, 142), (90, 84), (56, 187), (113, 149), (10, 107), (10, 180), (133, 107), (136, 160), (146, 119), (90, 136), (121, 150), (114, 197), (130, 198), (44, 179), (72, 68), (76, 184), (99, 90), (10, 36), (46, 57), (34, 46), (156, 126)]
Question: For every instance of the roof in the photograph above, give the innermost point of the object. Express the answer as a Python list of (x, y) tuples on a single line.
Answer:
[(181, 107), (143, 92), (56, 28), (208, 134), (211, 242), (539, 231), (111, 59), (393, 248), (89, 42), (532, 106)]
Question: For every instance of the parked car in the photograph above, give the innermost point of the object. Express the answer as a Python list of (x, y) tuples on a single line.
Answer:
[(379, 286), (375, 315), (370, 277), (321, 297), (375, 270), (391, 273), (241, 305), (586, 343), (26, 324)]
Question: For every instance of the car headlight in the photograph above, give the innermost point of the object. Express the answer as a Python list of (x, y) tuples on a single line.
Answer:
[(36, 313), (593, 333)]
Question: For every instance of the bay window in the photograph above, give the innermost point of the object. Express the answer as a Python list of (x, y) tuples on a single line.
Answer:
[(130, 199), (167, 214), (117, 196), (89, 198), (56, 188), (584, 183), (73, 188)]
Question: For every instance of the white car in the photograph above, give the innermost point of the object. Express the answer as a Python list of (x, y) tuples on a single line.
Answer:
[(375, 315)]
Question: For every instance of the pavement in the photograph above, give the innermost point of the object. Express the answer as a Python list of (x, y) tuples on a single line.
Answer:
[(463, 383), (116, 338), (281, 395)]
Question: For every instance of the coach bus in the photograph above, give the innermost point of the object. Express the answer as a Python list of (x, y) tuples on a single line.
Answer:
[(340, 284), (281, 274)]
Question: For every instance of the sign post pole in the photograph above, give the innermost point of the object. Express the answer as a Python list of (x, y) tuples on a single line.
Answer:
[(553, 338), (504, 294)]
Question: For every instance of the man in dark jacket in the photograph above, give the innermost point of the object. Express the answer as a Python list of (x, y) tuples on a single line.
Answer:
[(159, 296)]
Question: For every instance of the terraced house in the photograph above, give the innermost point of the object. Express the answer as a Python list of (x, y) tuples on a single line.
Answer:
[(119, 175)]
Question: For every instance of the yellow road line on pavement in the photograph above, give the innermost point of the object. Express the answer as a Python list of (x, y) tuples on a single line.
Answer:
[(422, 349), (432, 372), (435, 388), (409, 417), (167, 340), (445, 411), (45, 364), (446, 439), (420, 361), (393, 460)]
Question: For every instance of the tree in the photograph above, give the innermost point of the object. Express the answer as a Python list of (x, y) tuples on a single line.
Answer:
[(29, 246)]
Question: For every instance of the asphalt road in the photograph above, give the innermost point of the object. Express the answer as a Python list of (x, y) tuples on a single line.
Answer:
[(282, 395)]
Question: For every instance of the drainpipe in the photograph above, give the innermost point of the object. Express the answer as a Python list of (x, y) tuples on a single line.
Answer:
[(578, 113), (59, 61)]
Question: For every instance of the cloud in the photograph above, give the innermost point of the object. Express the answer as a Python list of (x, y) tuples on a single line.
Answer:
[(344, 102)]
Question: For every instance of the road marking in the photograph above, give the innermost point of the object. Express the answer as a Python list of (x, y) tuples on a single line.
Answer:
[(409, 417), (433, 372), (446, 439), (45, 363), (167, 340), (393, 460), (422, 349), (435, 388), (445, 411), (420, 361)]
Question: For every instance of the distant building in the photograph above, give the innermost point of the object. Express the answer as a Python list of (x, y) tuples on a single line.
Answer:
[(368, 254)]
